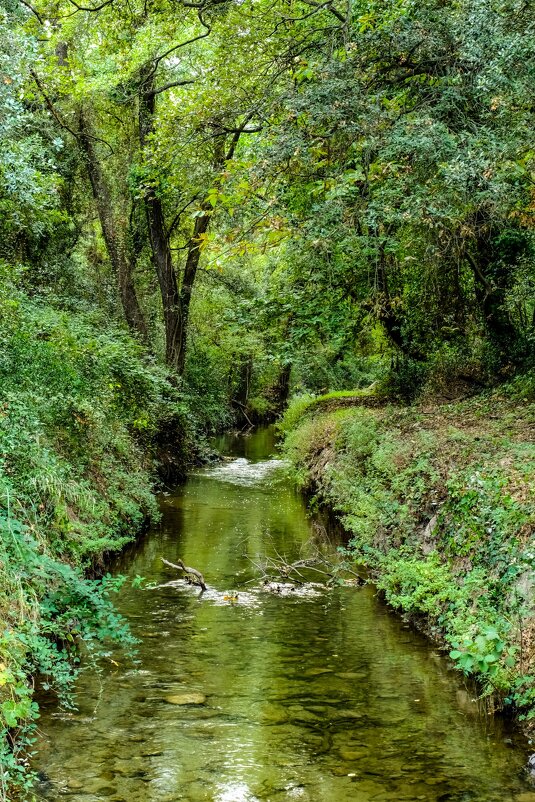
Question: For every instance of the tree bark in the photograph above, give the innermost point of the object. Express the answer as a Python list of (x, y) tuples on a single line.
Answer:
[(160, 246), (114, 234), (176, 291)]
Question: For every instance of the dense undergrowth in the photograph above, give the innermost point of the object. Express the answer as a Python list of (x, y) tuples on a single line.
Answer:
[(439, 504), (83, 411)]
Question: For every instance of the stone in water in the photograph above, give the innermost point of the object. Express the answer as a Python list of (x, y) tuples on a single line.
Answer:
[(186, 699)]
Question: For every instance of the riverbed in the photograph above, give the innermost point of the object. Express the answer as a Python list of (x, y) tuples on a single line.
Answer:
[(243, 693)]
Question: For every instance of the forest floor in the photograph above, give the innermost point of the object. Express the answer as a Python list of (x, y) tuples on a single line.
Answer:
[(439, 504)]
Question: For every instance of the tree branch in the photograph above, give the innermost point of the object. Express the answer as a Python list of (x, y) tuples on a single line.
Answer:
[(158, 59), (91, 8), (170, 85), (62, 123), (32, 9), (329, 6), (179, 214)]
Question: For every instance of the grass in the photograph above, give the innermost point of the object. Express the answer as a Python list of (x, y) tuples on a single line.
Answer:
[(82, 411), (308, 404), (439, 504)]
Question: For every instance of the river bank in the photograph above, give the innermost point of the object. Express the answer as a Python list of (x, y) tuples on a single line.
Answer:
[(439, 504), (88, 422)]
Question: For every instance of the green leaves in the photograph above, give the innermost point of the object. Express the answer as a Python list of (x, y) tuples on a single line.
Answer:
[(488, 655)]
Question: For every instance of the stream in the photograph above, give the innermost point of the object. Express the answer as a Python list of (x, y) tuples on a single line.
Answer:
[(320, 696)]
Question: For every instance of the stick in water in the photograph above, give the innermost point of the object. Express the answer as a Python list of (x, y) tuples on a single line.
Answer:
[(187, 570)]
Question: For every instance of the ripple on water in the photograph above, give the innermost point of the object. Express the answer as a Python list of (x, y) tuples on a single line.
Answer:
[(243, 472)]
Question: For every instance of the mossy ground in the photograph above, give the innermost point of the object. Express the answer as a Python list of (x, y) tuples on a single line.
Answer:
[(439, 504)]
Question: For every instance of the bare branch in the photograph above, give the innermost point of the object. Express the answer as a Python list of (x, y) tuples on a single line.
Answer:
[(158, 59), (91, 8), (32, 9), (60, 121), (329, 6), (187, 570), (179, 214)]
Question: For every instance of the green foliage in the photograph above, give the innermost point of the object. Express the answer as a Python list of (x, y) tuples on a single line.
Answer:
[(81, 411), (419, 586), (302, 405), (345, 204), (488, 655), (298, 407), (50, 612), (439, 506), (406, 181)]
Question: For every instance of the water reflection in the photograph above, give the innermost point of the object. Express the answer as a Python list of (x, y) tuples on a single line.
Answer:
[(324, 697)]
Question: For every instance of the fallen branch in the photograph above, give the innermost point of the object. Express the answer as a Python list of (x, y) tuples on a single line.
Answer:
[(187, 570), (273, 569)]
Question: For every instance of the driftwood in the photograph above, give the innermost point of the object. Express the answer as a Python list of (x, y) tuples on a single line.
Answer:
[(188, 570), (271, 569)]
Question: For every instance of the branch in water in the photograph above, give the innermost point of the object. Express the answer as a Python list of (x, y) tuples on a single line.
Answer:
[(187, 570)]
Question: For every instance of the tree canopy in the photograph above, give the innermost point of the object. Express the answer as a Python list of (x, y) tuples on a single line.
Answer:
[(351, 181)]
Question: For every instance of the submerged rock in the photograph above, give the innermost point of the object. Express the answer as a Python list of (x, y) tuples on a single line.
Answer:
[(186, 699), (317, 672)]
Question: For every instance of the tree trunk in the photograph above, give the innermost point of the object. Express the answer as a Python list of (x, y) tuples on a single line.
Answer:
[(490, 286), (160, 247), (176, 294), (114, 235), (190, 271), (282, 388)]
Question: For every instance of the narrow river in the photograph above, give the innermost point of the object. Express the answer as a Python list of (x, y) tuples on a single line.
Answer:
[(325, 697)]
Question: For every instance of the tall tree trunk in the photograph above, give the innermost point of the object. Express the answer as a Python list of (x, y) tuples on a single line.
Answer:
[(160, 247), (176, 294), (114, 234), (492, 273), (190, 271), (282, 387), (385, 310), (202, 223)]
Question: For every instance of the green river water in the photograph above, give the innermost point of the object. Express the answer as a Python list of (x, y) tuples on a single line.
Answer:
[(319, 697)]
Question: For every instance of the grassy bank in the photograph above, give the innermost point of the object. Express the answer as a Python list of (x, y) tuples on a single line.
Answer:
[(83, 414), (439, 503)]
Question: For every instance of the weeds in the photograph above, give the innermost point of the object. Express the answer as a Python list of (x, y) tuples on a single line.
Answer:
[(439, 504)]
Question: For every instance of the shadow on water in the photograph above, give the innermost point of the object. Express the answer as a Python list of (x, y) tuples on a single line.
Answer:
[(325, 697)]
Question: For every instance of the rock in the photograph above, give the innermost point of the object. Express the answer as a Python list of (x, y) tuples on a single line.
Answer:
[(186, 699), (352, 754), (529, 796), (340, 715), (317, 672), (273, 714), (129, 768), (351, 674), (75, 784)]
